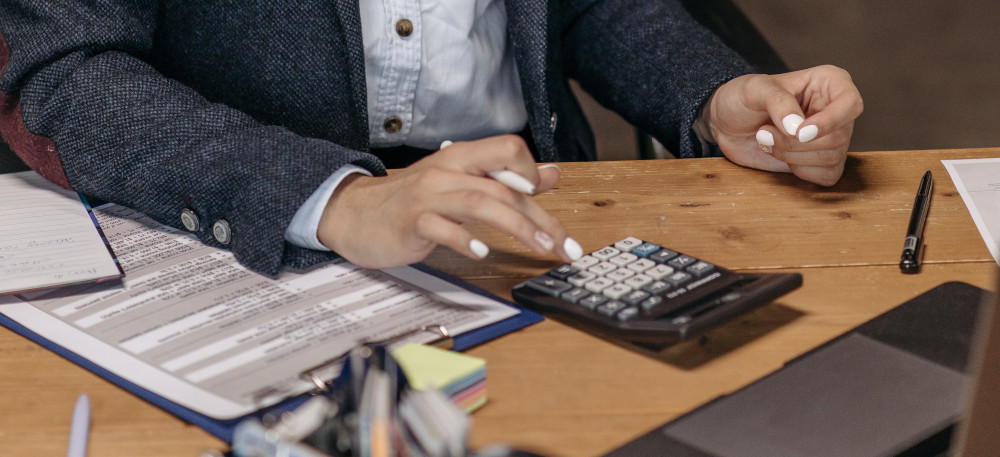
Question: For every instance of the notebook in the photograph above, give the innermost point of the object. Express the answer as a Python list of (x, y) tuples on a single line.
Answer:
[(898, 385)]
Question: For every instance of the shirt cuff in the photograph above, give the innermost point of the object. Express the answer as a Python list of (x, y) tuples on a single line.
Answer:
[(302, 230)]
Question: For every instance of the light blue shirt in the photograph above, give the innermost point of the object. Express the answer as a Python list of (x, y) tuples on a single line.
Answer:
[(452, 77)]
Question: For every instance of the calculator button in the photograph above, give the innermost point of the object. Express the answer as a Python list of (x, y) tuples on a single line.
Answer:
[(651, 302), (700, 268), (562, 272), (616, 291), (641, 265), (658, 287), (611, 308), (623, 259), (646, 250), (592, 301), (585, 262), (599, 284), (547, 285), (602, 268), (638, 281), (574, 295), (635, 297), (628, 244), (620, 274), (627, 313), (681, 261), (605, 253), (663, 256), (678, 278), (659, 271), (581, 278)]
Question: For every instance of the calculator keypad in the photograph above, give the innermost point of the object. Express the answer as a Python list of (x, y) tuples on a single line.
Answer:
[(630, 279)]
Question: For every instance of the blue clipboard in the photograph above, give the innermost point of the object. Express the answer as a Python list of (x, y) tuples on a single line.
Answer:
[(223, 429)]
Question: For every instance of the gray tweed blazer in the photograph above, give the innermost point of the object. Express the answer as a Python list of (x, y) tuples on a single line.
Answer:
[(238, 110)]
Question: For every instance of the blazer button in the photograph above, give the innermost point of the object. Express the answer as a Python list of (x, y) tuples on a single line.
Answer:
[(221, 231), (190, 220), (393, 124), (553, 121), (404, 28)]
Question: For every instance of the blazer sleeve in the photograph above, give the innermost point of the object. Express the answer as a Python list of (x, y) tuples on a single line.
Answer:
[(649, 61), (80, 105)]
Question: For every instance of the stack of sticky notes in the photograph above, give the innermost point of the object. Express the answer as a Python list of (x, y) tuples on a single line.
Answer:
[(461, 377)]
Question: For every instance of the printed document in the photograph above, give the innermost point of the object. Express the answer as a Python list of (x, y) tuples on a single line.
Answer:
[(190, 324), (47, 237), (978, 181)]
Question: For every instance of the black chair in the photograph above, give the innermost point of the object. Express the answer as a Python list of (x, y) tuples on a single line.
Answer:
[(727, 21), (10, 162)]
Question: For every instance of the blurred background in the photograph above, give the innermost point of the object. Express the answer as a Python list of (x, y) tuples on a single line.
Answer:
[(929, 71)]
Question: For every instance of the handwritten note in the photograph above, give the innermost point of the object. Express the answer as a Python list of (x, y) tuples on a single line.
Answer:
[(47, 237)]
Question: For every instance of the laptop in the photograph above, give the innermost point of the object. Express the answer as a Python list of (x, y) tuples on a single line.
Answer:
[(923, 379)]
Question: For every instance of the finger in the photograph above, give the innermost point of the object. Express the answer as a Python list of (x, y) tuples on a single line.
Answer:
[(439, 230), (513, 214), (839, 114), (494, 154), (548, 177), (781, 105), (824, 176)]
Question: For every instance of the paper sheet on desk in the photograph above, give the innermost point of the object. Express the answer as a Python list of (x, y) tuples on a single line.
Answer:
[(192, 325), (47, 237), (978, 181)]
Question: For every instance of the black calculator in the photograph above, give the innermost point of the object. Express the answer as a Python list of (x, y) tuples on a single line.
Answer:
[(645, 293)]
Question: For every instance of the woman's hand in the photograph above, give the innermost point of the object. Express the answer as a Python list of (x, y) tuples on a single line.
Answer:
[(380, 222), (799, 122)]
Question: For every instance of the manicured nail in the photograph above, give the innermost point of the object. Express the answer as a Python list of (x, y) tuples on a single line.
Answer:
[(791, 123), (445, 144), (544, 240), (572, 248), (808, 133), (764, 138), (479, 248), (549, 165)]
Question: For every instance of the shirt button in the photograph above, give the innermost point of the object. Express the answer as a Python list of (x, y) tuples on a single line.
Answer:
[(393, 124), (221, 231), (553, 121), (190, 220), (404, 28)]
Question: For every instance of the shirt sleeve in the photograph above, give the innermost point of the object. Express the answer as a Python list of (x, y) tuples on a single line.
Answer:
[(302, 230)]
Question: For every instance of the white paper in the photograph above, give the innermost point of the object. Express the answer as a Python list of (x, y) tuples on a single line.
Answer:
[(978, 181), (191, 324), (47, 237)]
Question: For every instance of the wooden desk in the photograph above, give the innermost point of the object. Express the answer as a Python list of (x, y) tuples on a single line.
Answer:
[(561, 392)]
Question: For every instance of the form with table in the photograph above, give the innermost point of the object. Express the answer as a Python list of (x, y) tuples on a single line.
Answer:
[(561, 392)]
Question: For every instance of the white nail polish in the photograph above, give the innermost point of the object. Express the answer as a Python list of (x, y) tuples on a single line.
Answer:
[(791, 123), (544, 240), (549, 165), (808, 133), (479, 248), (764, 138), (445, 144), (572, 248)]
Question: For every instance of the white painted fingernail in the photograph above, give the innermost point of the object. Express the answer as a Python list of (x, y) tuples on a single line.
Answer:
[(808, 133), (445, 144), (549, 165), (791, 123), (544, 240), (764, 138), (514, 181), (572, 248), (479, 248)]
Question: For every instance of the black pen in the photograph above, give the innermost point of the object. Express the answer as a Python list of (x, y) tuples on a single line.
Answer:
[(915, 232)]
